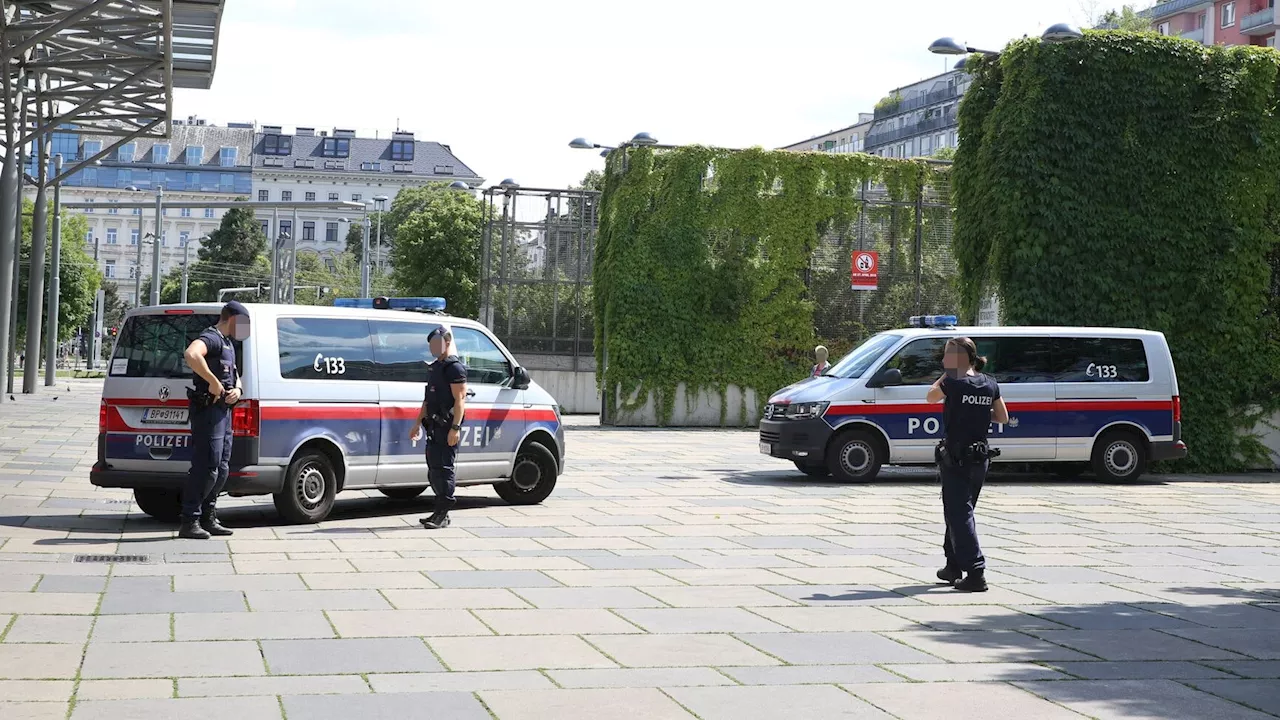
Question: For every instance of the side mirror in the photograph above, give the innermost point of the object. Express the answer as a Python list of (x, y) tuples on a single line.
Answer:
[(521, 381), (888, 377)]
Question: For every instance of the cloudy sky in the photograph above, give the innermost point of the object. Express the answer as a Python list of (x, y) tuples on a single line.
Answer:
[(508, 84)]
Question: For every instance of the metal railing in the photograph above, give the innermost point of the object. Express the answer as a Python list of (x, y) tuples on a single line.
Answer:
[(915, 103), (888, 136), (1173, 7), (1260, 19)]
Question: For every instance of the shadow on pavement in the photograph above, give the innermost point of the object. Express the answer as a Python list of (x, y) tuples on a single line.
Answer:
[(920, 476)]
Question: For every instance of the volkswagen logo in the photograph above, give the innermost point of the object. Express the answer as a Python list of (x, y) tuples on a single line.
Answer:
[(164, 394)]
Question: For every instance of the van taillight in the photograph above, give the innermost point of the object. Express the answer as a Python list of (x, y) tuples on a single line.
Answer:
[(1177, 409), (102, 417), (245, 419)]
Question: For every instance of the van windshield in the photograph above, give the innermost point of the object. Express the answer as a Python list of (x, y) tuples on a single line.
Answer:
[(151, 346), (855, 364)]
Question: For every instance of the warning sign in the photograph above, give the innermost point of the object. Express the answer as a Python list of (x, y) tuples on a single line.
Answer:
[(866, 270)]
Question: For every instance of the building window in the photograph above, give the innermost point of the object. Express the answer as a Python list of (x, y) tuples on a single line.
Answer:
[(333, 197), (227, 156), (286, 228), (264, 195), (160, 154), (309, 232), (111, 236), (88, 236), (195, 154), (208, 212), (164, 239), (1271, 41), (286, 196), (266, 228), (133, 271), (138, 211), (336, 147), (186, 212), (110, 269), (331, 232), (375, 166), (91, 148), (402, 150), (311, 197), (1163, 28), (1202, 20), (226, 182), (183, 237), (89, 177), (1228, 15), (277, 145), (193, 180), (113, 210), (330, 265), (89, 210), (355, 197), (133, 237), (124, 178), (125, 152)]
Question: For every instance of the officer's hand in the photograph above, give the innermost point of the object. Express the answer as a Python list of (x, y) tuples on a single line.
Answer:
[(415, 433), (233, 395), (217, 390), (453, 438)]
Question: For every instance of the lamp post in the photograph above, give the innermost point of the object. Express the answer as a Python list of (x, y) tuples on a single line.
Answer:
[(156, 245), (35, 272), (186, 265), (380, 200), (1058, 33), (55, 280)]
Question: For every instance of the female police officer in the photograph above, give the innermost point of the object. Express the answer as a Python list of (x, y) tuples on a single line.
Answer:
[(972, 402)]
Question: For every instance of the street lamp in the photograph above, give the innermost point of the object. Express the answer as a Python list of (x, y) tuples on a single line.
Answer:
[(459, 185), (584, 144), (1057, 33), (380, 200), (186, 265), (509, 184), (644, 138)]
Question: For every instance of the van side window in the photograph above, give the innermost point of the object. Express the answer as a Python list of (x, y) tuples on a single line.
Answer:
[(1099, 360), (325, 349), (920, 361), (1017, 359), (401, 350), (485, 362)]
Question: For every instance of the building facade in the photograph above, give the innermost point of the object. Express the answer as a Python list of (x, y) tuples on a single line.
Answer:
[(844, 140), (1217, 22), (918, 120), (307, 166)]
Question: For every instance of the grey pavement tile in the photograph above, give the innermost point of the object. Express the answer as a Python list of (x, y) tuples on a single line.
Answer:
[(136, 603), (293, 600), (460, 681), (161, 584), (393, 706), (1221, 616), (206, 583), (1126, 645), (698, 620), (33, 710), (841, 595), (492, 579), (810, 674), (1259, 694), (965, 617), (826, 619), (1256, 644), (16, 583), (367, 581), (717, 596), (801, 702), (1266, 669), (555, 622), (975, 672), (985, 646), (131, 628), (251, 625), (28, 603), (127, 689), (741, 561), (455, 599), (607, 597), (608, 704), (38, 662), (163, 659), (638, 678), (72, 584), (1157, 670), (1106, 617), (961, 701), (49, 629), (246, 708), (36, 690), (402, 623), (295, 685), (679, 650), (615, 578), (344, 656), (845, 648), (518, 653), (1139, 700)]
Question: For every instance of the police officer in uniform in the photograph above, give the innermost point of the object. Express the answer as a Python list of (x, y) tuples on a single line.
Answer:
[(971, 401), (212, 357), (444, 405)]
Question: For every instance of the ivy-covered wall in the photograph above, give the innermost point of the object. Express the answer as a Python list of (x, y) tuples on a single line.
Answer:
[(1132, 180), (701, 263)]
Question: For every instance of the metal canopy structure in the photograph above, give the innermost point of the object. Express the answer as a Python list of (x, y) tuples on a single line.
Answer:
[(106, 67)]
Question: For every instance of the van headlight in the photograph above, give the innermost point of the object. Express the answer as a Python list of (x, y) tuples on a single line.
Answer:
[(806, 411)]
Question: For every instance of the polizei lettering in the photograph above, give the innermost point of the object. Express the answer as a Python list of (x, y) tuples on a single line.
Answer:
[(163, 441), (976, 399)]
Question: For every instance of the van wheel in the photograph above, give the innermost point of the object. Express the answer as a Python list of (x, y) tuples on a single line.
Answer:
[(402, 493), (163, 505), (817, 471), (855, 456), (309, 488), (532, 479), (1119, 456)]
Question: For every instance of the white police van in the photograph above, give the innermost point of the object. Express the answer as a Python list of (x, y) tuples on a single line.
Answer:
[(330, 397), (1105, 397)]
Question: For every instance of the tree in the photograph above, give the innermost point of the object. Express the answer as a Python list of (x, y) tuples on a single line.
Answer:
[(235, 255), (436, 250), (355, 236), (1127, 18), (78, 275), (342, 281)]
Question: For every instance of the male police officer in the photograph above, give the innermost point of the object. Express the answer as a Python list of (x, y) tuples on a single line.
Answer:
[(443, 405), (212, 357)]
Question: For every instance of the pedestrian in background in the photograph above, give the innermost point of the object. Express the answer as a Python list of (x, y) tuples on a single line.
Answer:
[(971, 401), (444, 406), (820, 354)]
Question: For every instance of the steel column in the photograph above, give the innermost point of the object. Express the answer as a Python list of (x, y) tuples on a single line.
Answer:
[(55, 281), (156, 244), (10, 211), (35, 268)]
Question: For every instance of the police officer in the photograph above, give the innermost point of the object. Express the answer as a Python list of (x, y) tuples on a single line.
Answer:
[(444, 404), (972, 401), (212, 357)]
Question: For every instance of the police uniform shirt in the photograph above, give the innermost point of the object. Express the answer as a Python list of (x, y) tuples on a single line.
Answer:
[(442, 375), (221, 358), (966, 416)]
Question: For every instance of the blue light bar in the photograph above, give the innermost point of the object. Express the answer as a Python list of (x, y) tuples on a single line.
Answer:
[(430, 304), (933, 321)]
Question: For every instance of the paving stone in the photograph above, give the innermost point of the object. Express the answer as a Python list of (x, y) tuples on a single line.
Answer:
[(131, 628), (249, 708), (679, 650), (38, 662), (367, 581), (206, 583), (28, 603), (834, 648), (1134, 645), (986, 646), (841, 595), (163, 660), (126, 690), (1139, 700), (492, 579), (17, 583), (162, 584), (71, 584), (1221, 616), (611, 578), (699, 620), (1167, 670), (717, 596), (1104, 617), (611, 704), (142, 603), (1259, 694), (568, 598), (971, 672), (401, 623), (1256, 644), (33, 710), (357, 655), (49, 629), (960, 701), (251, 625), (555, 622), (461, 681), (234, 687), (638, 678), (294, 600), (834, 619), (518, 653), (460, 705), (810, 674), (802, 702), (454, 599), (635, 562), (36, 690), (1265, 669)]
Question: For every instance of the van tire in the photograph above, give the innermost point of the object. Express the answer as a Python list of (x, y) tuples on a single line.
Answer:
[(309, 489), (402, 493), (161, 504), (1120, 456), (533, 477), (815, 471), (855, 456)]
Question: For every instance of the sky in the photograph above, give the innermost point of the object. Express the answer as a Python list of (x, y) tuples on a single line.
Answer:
[(507, 85)]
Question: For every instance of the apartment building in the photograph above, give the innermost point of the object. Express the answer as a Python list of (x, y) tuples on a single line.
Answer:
[(918, 120), (845, 140), (1217, 22)]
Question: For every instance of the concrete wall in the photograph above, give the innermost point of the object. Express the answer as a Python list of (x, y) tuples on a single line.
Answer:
[(573, 385), (702, 410), (1270, 436)]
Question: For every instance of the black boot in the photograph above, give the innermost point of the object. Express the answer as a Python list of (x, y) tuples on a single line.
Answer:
[(209, 522), (973, 582), (950, 574), (438, 520), (191, 530)]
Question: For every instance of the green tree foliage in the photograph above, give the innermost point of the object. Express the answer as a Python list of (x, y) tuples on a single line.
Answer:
[(342, 282), (78, 277), (1084, 194), (355, 235), (437, 246), (234, 255), (1126, 19)]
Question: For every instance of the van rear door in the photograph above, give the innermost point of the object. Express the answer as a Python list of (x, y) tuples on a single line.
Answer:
[(1107, 380)]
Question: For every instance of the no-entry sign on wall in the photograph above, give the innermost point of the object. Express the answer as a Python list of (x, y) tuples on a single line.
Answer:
[(865, 274)]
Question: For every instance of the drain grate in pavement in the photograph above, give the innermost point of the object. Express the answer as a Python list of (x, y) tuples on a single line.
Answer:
[(112, 558), (128, 501)]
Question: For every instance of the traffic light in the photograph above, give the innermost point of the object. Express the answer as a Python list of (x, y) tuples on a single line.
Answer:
[(113, 332)]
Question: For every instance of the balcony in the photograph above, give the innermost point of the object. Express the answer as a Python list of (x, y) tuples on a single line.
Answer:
[(1173, 7), (1197, 35), (1262, 22), (885, 137), (917, 102)]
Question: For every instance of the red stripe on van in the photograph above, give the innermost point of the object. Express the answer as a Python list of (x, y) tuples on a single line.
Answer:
[(1051, 406)]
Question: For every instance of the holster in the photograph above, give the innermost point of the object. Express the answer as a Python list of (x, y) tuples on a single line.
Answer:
[(972, 454)]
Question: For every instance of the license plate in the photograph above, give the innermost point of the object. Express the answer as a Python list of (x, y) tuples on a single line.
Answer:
[(165, 416), (766, 448)]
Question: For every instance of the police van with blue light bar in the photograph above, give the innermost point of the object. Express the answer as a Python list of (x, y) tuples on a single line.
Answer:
[(330, 397), (1078, 397)]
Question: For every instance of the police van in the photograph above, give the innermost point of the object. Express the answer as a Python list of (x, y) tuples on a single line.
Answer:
[(1079, 397), (330, 397)]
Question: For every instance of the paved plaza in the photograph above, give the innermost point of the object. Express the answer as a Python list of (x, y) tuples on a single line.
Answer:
[(673, 574)]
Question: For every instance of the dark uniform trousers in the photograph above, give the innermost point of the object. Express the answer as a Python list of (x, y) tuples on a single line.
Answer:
[(210, 459), (961, 485), (440, 472)]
